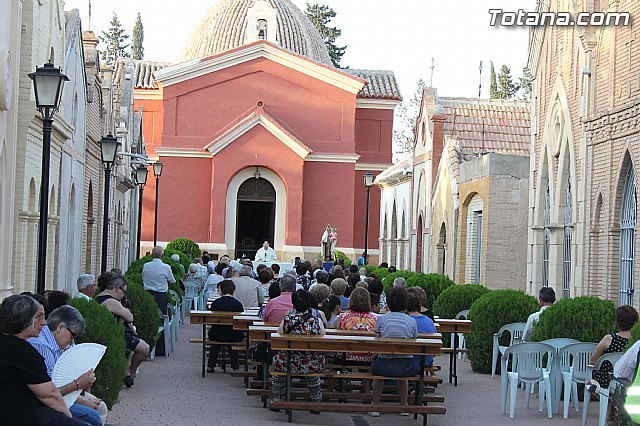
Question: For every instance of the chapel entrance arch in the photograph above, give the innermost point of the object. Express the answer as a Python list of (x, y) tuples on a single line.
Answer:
[(255, 220)]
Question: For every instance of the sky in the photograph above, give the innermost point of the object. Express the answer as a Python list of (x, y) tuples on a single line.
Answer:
[(401, 35)]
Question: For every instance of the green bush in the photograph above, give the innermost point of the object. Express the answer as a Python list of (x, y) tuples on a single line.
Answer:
[(387, 281), (635, 335), (370, 269), (490, 312), (103, 328), (586, 319), (432, 284), (380, 273), (186, 246), (340, 255), (454, 299)]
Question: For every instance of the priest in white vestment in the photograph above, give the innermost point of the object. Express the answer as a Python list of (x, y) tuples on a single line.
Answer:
[(266, 253)]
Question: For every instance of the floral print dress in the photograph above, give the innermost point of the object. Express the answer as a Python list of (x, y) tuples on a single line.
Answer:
[(302, 362), (363, 321)]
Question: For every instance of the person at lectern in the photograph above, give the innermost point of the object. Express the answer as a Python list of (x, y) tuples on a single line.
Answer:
[(266, 253)]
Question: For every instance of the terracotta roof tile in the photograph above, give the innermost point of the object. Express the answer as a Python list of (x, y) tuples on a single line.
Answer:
[(380, 84)]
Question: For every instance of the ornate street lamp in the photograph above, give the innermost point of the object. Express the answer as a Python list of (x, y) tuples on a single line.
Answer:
[(48, 82), (141, 181), (157, 171), (368, 182), (108, 151)]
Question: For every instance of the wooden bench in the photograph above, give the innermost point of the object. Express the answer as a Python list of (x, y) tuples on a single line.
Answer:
[(454, 327), (209, 318), (359, 343)]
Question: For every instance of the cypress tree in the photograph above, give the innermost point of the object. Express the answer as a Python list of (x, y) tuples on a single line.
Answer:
[(494, 84), (137, 51)]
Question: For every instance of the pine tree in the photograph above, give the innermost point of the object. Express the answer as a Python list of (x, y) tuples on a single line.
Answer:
[(494, 83), (526, 84), (506, 87), (406, 116), (321, 16), (137, 51), (114, 39)]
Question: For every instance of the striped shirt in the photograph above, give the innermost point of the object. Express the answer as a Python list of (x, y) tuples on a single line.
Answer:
[(396, 325), (626, 366), (47, 347)]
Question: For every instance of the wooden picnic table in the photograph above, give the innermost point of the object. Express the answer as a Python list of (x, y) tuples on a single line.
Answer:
[(453, 327)]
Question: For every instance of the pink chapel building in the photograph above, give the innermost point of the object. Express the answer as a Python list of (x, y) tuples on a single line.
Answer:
[(261, 137)]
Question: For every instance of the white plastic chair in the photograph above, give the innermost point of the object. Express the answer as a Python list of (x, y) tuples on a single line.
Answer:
[(604, 393), (191, 295), (556, 377), (575, 371), (176, 316), (515, 330), (461, 342), (164, 326), (530, 363)]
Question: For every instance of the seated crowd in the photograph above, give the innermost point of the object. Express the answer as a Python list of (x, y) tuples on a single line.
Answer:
[(307, 300)]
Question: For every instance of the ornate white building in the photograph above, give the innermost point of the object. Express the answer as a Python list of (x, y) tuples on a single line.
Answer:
[(10, 27)]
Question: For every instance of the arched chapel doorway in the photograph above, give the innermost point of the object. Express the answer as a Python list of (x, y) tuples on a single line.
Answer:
[(255, 218)]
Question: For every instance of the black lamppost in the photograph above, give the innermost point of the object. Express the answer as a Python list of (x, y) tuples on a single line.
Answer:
[(157, 171), (368, 182), (47, 85), (108, 151), (141, 181)]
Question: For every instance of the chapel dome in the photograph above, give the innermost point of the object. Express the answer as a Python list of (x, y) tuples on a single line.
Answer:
[(233, 23)]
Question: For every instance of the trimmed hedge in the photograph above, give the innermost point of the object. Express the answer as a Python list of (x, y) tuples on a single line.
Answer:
[(340, 255), (143, 308), (103, 328), (380, 273), (186, 246), (454, 299), (432, 284), (490, 312), (586, 319)]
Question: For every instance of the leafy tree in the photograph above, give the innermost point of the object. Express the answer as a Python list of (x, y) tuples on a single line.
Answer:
[(406, 116), (526, 84), (494, 83), (321, 16), (506, 87), (115, 40), (137, 51)]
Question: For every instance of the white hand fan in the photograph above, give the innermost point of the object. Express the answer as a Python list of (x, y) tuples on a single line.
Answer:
[(73, 363)]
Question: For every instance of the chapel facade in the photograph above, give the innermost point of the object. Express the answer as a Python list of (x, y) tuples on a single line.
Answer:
[(262, 138)]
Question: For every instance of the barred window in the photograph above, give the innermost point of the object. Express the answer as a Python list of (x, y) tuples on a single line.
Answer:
[(628, 221), (568, 234)]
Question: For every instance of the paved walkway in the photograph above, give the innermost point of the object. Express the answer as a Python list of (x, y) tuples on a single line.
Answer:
[(170, 391)]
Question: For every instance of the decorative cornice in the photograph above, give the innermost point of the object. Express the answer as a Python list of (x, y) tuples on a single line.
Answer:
[(372, 167), (184, 153), (620, 122), (198, 67), (265, 121), (377, 103), (332, 158), (148, 94)]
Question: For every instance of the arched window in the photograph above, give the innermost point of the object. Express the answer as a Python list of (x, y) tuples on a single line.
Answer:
[(393, 261), (546, 237), (628, 221), (568, 234)]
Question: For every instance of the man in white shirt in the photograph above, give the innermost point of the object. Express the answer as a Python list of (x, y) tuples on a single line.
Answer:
[(247, 289), (546, 297), (86, 286), (266, 253), (156, 277)]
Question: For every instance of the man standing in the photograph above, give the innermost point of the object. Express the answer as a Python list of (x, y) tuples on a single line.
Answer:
[(156, 277), (86, 286), (247, 289), (266, 253), (546, 297)]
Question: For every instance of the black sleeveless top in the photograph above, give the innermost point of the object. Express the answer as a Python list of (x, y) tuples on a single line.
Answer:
[(102, 299)]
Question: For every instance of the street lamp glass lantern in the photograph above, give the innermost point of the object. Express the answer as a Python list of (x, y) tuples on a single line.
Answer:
[(141, 175), (109, 149), (47, 85), (157, 168), (368, 179)]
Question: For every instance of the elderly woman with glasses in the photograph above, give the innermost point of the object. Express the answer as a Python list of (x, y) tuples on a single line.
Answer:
[(115, 290), (27, 394), (63, 325)]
